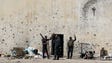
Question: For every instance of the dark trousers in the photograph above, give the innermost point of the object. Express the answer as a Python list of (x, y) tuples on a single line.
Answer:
[(44, 50), (56, 53), (52, 49), (70, 52)]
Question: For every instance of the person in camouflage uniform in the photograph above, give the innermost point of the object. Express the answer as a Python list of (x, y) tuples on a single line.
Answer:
[(70, 46), (44, 46)]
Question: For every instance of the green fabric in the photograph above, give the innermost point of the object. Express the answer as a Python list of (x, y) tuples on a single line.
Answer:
[(70, 43)]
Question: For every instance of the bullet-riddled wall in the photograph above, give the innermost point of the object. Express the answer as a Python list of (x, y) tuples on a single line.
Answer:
[(21, 22)]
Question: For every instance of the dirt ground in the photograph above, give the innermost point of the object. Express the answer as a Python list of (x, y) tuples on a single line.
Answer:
[(62, 60)]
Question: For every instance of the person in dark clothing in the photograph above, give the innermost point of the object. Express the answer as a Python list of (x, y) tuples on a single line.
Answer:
[(70, 46), (57, 48), (103, 53), (44, 46), (53, 43)]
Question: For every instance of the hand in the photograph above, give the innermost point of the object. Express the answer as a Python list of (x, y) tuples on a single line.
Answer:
[(40, 34)]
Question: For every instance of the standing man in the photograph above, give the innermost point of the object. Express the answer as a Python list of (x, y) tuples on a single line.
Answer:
[(53, 43), (44, 46), (57, 47), (70, 46)]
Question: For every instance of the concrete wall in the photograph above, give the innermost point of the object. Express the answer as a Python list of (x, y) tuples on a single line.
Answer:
[(21, 21)]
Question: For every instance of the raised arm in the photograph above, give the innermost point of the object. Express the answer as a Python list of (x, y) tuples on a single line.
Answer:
[(41, 36), (74, 38)]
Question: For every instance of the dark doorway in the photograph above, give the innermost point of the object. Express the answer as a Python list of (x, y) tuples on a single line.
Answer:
[(61, 42)]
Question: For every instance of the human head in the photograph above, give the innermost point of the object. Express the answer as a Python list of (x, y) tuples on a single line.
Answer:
[(70, 38), (102, 48)]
